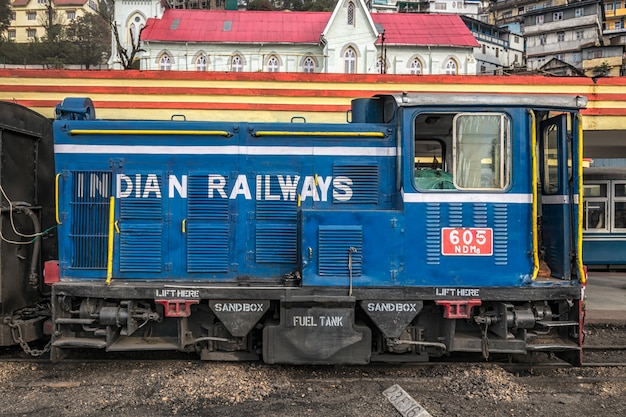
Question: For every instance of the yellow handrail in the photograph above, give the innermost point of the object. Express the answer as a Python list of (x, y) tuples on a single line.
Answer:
[(327, 134), (75, 132), (110, 242), (579, 240), (56, 198), (533, 141)]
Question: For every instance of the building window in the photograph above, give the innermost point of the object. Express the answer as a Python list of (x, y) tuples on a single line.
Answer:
[(236, 63), (608, 7), (497, 52), (350, 14), (11, 33), (349, 59), (618, 25), (580, 12), (451, 67), (560, 36), (543, 39), (273, 65), (560, 57), (577, 57), (12, 15), (31, 16), (165, 63), (580, 35), (595, 200), (507, 14), (202, 63), (539, 19), (416, 67), (308, 65), (520, 11), (31, 33), (70, 14), (557, 16), (440, 6)]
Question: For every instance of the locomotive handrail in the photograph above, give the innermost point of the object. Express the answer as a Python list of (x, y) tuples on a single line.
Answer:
[(535, 210), (75, 132), (56, 198), (110, 240), (326, 134), (579, 238)]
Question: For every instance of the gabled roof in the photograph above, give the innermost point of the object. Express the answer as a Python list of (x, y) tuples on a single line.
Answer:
[(233, 26), (424, 29)]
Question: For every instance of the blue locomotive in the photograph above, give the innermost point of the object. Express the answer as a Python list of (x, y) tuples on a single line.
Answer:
[(428, 224)]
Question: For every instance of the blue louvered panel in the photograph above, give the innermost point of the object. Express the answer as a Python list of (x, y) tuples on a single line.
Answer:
[(208, 226), (276, 243), (90, 218), (364, 182), (286, 211), (500, 234), (141, 248), (146, 206), (479, 215), (334, 250), (455, 213), (433, 233), (207, 247), (276, 236), (201, 205)]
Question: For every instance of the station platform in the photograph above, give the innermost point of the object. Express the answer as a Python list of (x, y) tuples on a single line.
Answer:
[(605, 297)]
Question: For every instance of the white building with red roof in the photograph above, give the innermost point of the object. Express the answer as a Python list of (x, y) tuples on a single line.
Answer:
[(351, 39)]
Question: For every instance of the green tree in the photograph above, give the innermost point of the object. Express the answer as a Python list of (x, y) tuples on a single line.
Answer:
[(90, 40), (5, 15), (319, 5), (260, 5)]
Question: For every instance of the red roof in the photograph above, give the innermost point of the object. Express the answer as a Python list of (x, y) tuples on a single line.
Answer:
[(232, 26), (424, 29)]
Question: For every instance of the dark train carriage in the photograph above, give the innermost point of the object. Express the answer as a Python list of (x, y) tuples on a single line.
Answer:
[(604, 220), (428, 225), (27, 221)]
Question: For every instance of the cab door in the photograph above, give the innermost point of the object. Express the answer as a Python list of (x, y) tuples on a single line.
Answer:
[(555, 189)]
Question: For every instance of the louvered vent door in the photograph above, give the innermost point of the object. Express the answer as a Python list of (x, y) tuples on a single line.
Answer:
[(207, 227), (142, 233)]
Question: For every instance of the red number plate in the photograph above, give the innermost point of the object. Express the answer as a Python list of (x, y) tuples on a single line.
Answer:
[(467, 241)]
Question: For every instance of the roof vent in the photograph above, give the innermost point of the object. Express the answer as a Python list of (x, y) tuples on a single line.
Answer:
[(228, 25), (175, 24)]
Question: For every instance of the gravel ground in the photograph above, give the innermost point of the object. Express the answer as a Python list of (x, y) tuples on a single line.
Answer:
[(189, 387)]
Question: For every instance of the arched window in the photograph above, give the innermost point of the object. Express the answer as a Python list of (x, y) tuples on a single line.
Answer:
[(349, 59), (201, 63), (308, 64), (236, 63), (350, 14), (451, 67), (165, 63), (136, 24), (416, 67), (273, 64)]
